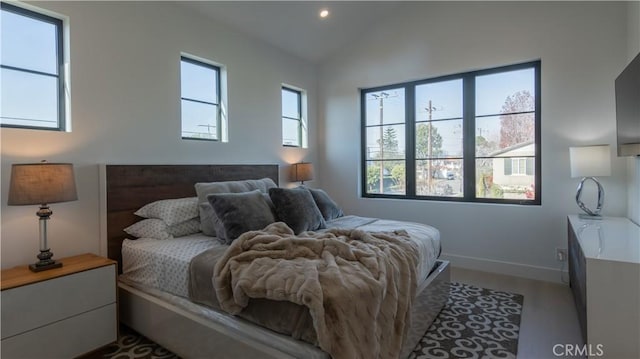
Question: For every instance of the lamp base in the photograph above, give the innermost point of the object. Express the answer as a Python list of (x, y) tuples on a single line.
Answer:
[(589, 216), (590, 213), (37, 267), (45, 262)]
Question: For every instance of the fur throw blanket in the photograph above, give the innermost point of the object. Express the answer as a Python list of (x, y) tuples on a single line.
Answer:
[(358, 286)]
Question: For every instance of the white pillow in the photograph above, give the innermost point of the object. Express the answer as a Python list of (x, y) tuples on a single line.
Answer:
[(156, 228), (171, 211)]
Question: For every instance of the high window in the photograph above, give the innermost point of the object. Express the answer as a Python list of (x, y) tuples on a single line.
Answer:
[(471, 137), (32, 70), (202, 114), (294, 126)]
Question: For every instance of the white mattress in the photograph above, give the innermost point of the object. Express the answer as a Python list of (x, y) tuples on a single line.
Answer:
[(163, 264)]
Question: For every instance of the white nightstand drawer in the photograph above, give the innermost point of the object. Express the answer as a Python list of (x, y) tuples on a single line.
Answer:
[(39, 304), (67, 338)]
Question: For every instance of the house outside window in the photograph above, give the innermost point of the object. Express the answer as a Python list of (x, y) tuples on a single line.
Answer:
[(294, 123), (202, 109), (471, 137), (34, 94)]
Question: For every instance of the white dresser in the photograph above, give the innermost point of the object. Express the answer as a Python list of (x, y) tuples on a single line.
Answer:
[(604, 268), (59, 313)]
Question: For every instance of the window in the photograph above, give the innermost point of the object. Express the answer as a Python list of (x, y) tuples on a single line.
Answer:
[(200, 100), (519, 167), (294, 127), (385, 141), (32, 70), (471, 137)]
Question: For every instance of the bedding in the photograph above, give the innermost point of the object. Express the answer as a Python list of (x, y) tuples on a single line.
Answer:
[(164, 264), (345, 277), (184, 267), (158, 229), (296, 207), (327, 206), (237, 213), (171, 211), (208, 217)]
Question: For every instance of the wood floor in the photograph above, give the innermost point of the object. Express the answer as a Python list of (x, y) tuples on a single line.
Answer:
[(548, 314)]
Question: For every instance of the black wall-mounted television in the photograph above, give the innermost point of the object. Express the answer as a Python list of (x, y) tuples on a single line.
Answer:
[(628, 109)]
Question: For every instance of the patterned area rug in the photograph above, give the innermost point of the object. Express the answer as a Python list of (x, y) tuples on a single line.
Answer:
[(475, 323)]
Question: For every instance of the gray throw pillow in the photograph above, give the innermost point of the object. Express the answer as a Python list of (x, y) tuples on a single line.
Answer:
[(203, 189), (210, 223), (296, 208), (208, 220), (327, 206), (239, 213)]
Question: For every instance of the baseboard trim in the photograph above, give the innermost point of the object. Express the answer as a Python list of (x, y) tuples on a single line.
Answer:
[(507, 268)]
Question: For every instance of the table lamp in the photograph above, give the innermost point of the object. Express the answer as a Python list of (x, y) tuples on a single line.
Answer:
[(42, 183), (588, 162), (302, 171)]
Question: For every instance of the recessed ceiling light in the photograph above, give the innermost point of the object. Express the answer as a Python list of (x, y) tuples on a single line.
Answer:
[(324, 13)]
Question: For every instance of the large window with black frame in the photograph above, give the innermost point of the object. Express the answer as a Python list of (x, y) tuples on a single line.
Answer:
[(32, 70), (471, 137)]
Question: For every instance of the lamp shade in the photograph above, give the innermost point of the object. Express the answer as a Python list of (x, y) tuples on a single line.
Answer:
[(41, 183), (302, 171), (590, 161)]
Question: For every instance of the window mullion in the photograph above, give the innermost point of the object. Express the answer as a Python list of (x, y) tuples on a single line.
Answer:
[(538, 134), (410, 141), (34, 72), (469, 142), (299, 119), (61, 78), (363, 144), (198, 101)]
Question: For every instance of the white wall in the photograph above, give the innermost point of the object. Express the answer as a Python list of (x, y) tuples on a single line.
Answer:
[(582, 46), (633, 163), (125, 108)]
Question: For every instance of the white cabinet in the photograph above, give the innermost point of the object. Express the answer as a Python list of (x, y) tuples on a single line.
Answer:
[(59, 313), (604, 267)]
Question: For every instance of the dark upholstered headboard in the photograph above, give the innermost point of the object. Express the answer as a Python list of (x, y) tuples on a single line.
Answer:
[(129, 187)]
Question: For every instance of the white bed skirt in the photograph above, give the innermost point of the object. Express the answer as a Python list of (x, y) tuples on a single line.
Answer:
[(193, 331)]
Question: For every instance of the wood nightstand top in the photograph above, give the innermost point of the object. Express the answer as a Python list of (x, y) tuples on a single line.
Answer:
[(21, 275)]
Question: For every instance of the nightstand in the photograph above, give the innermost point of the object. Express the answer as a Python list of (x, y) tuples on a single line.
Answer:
[(59, 313)]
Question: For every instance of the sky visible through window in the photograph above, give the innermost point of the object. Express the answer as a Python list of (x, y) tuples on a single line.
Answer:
[(446, 101), (29, 98)]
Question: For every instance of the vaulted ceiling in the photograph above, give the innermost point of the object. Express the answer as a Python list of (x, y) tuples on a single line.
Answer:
[(295, 26)]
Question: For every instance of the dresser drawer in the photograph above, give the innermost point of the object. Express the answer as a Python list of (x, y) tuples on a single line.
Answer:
[(39, 304), (67, 338)]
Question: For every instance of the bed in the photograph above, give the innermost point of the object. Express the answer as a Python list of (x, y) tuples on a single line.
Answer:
[(162, 312)]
